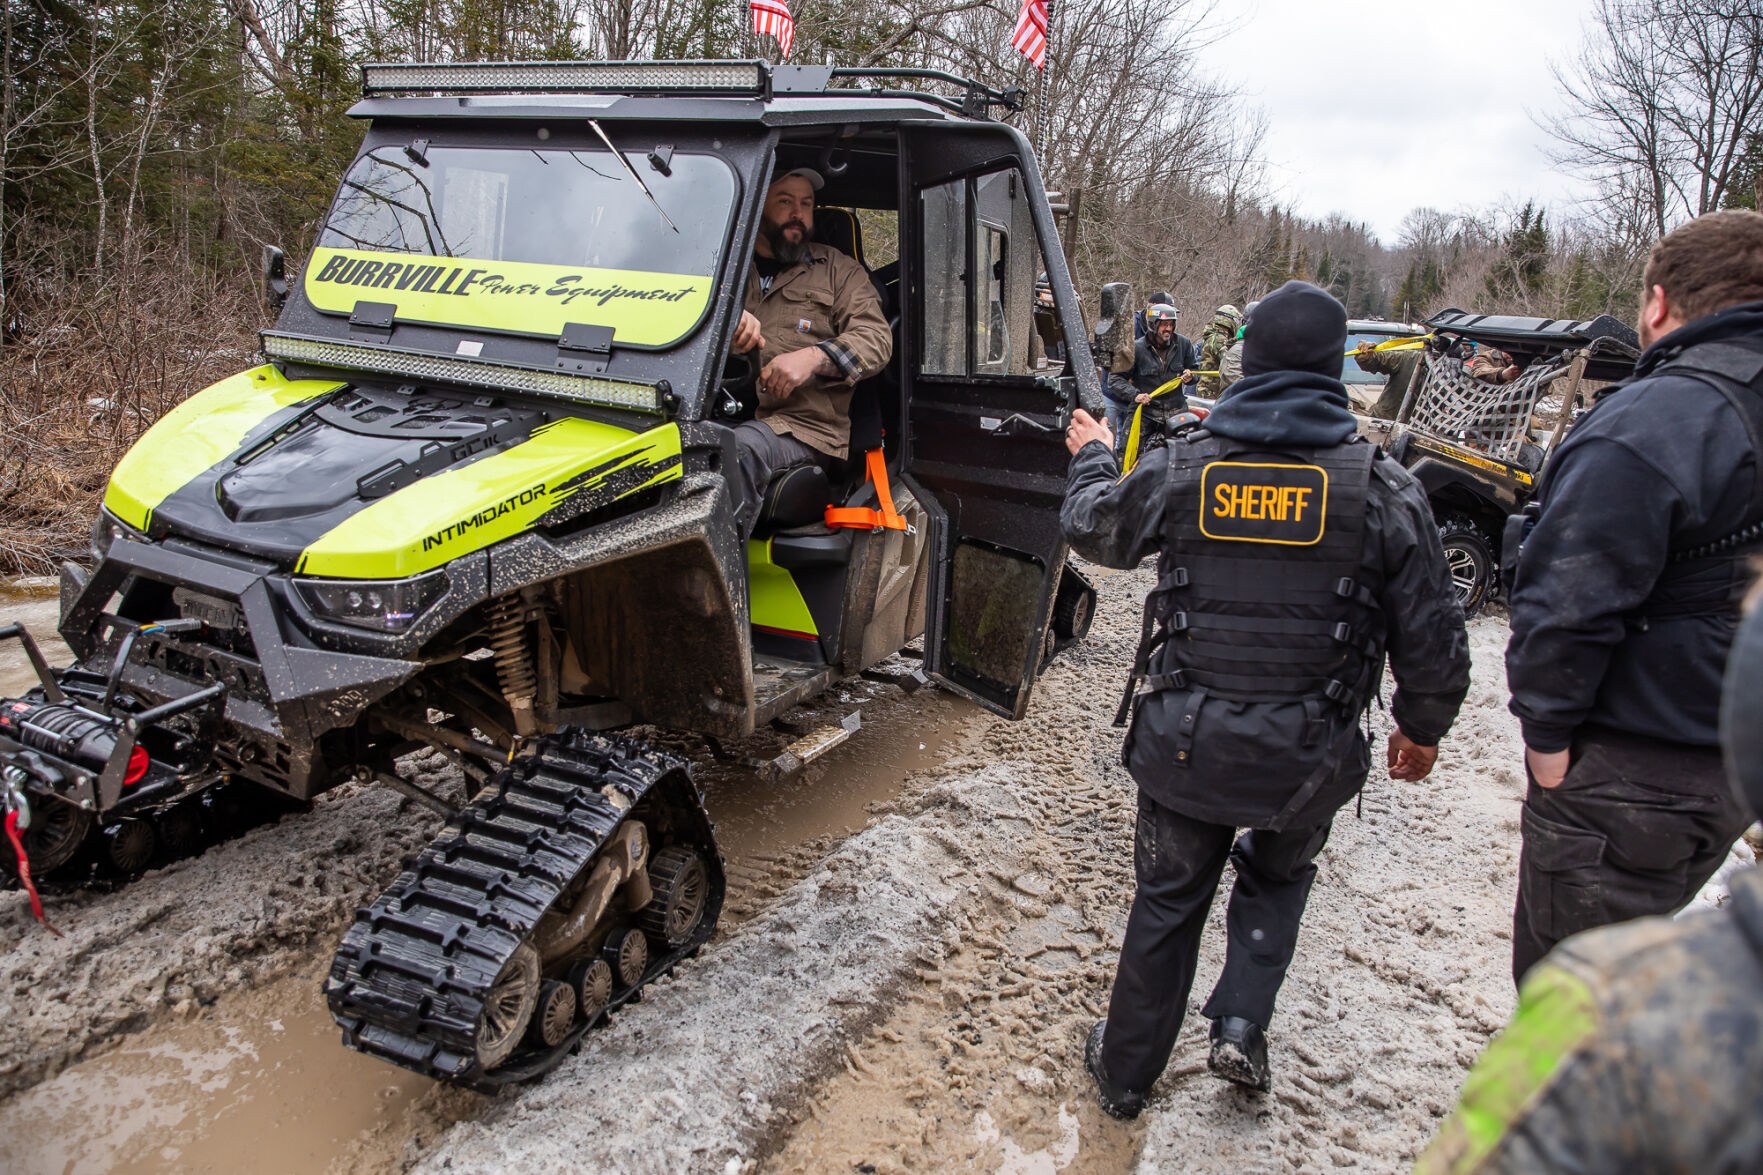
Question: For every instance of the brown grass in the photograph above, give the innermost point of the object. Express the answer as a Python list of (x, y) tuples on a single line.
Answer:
[(95, 364)]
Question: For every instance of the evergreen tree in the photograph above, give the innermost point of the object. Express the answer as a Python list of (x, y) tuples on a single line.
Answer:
[(1743, 192), (1518, 275), (1407, 301)]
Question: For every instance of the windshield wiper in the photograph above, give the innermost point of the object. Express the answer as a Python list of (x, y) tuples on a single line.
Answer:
[(632, 172)]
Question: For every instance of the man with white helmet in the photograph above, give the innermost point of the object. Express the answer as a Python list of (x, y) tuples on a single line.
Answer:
[(1162, 355)]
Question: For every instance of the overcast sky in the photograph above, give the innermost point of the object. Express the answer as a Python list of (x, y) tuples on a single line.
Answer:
[(1379, 106)]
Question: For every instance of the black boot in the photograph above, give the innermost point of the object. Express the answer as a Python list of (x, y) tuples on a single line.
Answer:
[(1119, 1103), (1239, 1053)]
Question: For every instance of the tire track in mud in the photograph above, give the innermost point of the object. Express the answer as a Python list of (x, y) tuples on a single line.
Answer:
[(1400, 978), (965, 982), (202, 954), (169, 944)]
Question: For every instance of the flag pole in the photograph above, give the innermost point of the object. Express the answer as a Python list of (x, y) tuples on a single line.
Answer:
[(1041, 89)]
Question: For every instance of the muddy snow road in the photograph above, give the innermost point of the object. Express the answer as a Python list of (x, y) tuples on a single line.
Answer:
[(919, 933)]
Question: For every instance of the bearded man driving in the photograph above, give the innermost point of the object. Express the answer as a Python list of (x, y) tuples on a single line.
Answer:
[(816, 324)]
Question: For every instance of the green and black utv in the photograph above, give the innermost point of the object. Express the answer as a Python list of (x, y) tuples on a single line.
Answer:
[(1479, 448), (474, 500)]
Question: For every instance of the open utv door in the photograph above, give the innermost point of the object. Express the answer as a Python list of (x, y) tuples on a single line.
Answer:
[(986, 416)]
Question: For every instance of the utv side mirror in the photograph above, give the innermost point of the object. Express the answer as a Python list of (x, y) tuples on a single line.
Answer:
[(1113, 346), (275, 277)]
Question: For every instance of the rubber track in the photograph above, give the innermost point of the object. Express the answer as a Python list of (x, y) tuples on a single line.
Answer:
[(409, 979)]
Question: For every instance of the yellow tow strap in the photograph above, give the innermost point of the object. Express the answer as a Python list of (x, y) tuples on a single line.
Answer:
[(1131, 456), (1411, 343)]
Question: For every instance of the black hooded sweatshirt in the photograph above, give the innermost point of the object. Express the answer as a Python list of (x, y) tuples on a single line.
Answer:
[(1119, 522), (1660, 463)]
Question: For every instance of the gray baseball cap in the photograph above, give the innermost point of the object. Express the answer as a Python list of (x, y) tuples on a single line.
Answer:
[(807, 173)]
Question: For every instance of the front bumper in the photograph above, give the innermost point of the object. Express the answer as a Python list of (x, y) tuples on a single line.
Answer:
[(289, 676)]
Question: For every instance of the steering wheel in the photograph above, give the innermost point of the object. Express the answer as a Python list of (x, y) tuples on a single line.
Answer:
[(738, 389)]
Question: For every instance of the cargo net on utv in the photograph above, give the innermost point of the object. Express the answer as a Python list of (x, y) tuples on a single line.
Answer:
[(1495, 418)]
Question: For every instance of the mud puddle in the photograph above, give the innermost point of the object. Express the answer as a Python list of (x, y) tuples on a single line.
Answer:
[(261, 1080), (264, 1087), (38, 609), (832, 795)]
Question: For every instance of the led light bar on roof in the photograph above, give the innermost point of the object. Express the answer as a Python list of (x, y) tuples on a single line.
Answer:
[(592, 389), (745, 78)]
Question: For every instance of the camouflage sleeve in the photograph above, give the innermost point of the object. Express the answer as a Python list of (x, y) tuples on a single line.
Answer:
[(1379, 362), (1534, 1101)]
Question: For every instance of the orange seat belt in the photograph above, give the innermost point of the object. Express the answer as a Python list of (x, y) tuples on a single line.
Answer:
[(863, 518)]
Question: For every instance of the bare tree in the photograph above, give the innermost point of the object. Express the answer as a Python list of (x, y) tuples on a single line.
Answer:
[(1660, 98)]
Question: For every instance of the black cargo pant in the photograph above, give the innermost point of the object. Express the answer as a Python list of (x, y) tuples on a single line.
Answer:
[(1636, 829), (1178, 861), (761, 455)]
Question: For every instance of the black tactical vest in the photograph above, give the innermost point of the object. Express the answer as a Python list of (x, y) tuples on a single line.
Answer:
[(1258, 598), (1708, 572)]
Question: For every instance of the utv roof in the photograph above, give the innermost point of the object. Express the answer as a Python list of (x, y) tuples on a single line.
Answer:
[(1612, 344), (730, 91)]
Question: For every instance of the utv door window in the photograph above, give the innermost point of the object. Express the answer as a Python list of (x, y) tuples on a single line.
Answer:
[(980, 263), (944, 210), (993, 328)]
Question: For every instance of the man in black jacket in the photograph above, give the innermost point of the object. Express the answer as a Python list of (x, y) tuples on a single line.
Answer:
[(1292, 556), (1626, 599), (1160, 356), (1636, 1047)]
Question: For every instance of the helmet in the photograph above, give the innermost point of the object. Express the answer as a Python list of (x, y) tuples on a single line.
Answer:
[(1247, 311), (1163, 297), (1228, 311), (1159, 312)]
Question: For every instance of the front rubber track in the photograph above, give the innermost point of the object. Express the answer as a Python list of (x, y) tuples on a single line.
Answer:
[(409, 979)]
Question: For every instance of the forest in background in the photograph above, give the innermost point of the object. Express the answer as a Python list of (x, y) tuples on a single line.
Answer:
[(150, 150)]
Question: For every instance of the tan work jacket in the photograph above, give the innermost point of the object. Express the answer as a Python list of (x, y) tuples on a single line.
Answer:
[(826, 298)]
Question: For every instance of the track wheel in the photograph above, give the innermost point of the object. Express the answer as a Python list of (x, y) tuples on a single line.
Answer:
[(627, 953), (179, 830), (553, 1017), (1073, 611), (129, 845), (56, 833), (592, 980), (681, 882), (1470, 556), (508, 1006)]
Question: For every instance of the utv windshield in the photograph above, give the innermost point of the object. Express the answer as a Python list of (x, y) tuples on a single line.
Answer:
[(526, 241)]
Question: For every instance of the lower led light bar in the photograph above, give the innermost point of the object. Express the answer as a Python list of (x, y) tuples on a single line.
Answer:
[(747, 78), (592, 389)]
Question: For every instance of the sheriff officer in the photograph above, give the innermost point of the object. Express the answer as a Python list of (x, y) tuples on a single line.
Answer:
[(1292, 556)]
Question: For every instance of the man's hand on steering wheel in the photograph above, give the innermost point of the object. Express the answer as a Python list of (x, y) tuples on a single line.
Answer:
[(784, 374), (747, 334)]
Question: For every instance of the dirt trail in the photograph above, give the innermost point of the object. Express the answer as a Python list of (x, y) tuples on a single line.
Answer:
[(210, 968), (910, 997), (1400, 978)]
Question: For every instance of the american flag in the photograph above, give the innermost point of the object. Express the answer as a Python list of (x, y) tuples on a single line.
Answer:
[(773, 16), (1030, 37)]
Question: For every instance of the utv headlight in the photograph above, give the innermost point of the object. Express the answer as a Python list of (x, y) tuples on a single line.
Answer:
[(106, 528), (386, 606)]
